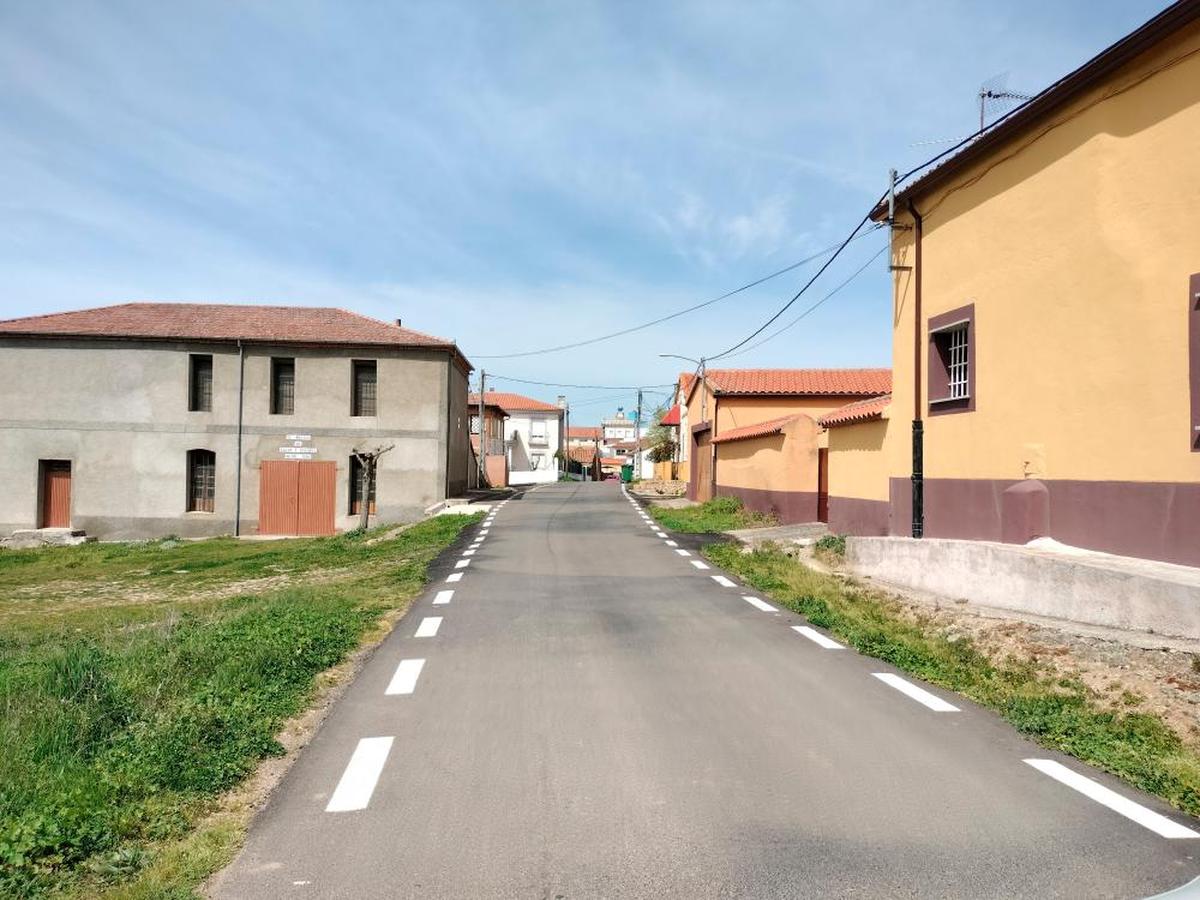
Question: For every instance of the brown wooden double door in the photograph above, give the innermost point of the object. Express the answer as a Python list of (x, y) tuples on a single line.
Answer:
[(55, 475), (702, 467), (296, 497)]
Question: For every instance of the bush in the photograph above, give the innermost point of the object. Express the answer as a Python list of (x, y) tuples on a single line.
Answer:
[(833, 545)]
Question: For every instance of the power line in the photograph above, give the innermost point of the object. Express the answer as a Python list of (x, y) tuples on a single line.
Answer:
[(778, 332), (767, 324), (579, 387), (666, 318)]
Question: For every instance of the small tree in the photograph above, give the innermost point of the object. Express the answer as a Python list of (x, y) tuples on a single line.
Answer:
[(661, 439), (368, 460)]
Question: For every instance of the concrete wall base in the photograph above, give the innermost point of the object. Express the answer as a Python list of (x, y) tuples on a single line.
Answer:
[(1079, 586)]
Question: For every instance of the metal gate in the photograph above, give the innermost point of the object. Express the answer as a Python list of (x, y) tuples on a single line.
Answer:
[(296, 497)]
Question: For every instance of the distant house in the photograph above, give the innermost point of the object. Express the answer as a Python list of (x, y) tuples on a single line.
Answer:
[(755, 436), (583, 435), (491, 446), (1046, 321), (533, 436), (148, 419)]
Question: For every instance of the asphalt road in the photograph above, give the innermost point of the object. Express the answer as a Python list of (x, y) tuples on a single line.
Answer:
[(597, 717)]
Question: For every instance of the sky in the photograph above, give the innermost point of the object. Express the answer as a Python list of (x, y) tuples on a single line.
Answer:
[(511, 175)]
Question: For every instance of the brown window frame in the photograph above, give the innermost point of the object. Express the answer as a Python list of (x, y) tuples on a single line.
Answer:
[(357, 471), (279, 397), (1194, 354), (359, 402), (937, 384), (198, 399), (201, 487)]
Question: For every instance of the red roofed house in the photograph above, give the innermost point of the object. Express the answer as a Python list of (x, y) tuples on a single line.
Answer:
[(858, 467), (148, 419), (533, 433), (754, 434), (495, 458)]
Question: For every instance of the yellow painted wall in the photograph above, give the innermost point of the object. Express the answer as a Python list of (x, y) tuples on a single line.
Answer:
[(738, 412), (857, 465), (778, 462), (1075, 248)]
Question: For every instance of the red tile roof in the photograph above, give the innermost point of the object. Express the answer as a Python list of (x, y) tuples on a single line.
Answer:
[(858, 411), (798, 382), (686, 380), (672, 416), (223, 322), (761, 429), (585, 455), (512, 402), (583, 433)]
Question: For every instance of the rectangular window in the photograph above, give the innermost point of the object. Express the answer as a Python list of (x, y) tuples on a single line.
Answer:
[(952, 362), (200, 382), (283, 386), (358, 472), (537, 431), (363, 403), (475, 424), (202, 480)]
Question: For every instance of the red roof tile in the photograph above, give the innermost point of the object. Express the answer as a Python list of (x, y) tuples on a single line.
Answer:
[(794, 382), (585, 455), (672, 416), (761, 429), (583, 433), (512, 402), (858, 411), (223, 322)]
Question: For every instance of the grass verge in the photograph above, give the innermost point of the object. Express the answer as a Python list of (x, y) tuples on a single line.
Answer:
[(1057, 712), (718, 514), (125, 720)]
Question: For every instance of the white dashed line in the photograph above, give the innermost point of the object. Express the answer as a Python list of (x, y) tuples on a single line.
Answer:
[(454, 576), (699, 565), (683, 553), (442, 598), (483, 532), (723, 581), (462, 563), (1147, 818), (922, 696), (760, 604), (817, 638), (405, 679), (671, 543), (470, 552), (362, 773), (429, 626)]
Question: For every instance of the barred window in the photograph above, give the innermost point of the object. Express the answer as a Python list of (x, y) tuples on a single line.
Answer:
[(364, 398), (957, 362), (952, 361), (202, 480), (283, 386), (200, 382)]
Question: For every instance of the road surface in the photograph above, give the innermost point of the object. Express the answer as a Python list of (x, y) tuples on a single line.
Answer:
[(590, 714)]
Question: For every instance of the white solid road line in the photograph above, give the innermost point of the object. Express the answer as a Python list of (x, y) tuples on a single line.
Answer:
[(699, 565), (362, 772), (723, 581), (462, 563), (405, 679), (759, 604), (683, 553), (817, 638), (1147, 818), (429, 626), (937, 704), (442, 597), (454, 576)]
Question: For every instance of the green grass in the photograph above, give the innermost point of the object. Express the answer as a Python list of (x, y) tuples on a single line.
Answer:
[(130, 705), (718, 514), (1058, 713)]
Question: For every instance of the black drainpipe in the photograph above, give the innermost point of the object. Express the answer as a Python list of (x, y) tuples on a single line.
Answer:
[(918, 426)]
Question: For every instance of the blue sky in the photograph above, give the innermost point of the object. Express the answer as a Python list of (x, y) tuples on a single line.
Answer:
[(510, 175)]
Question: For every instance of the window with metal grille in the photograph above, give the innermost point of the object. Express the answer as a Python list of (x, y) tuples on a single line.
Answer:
[(474, 424), (957, 362), (202, 480), (364, 399), (358, 472), (200, 382), (283, 386)]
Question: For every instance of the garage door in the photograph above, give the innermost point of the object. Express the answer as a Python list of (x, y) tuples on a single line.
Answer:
[(296, 497)]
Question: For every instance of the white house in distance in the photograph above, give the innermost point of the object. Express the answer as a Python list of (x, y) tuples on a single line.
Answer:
[(533, 436)]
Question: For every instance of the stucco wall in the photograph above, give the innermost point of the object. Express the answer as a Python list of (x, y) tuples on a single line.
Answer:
[(1075, 244), (775, 474), (118, 411), (738, 412), (857, 467)]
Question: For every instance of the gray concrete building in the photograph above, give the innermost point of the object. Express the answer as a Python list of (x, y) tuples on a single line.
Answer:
[(148, 419)]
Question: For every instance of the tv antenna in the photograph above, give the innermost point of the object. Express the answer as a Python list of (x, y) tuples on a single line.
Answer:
[(995, 92)]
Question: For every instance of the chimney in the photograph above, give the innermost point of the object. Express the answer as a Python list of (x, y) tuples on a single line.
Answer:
[(399, 323)]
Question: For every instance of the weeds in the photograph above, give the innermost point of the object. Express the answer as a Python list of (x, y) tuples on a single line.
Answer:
[(718, 514)]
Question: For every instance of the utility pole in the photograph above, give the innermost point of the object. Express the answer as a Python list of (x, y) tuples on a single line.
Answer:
[(637, 439), (482, 431)]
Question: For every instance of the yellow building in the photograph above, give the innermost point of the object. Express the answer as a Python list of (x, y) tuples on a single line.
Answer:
[(753, 434), (1047, 319)]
